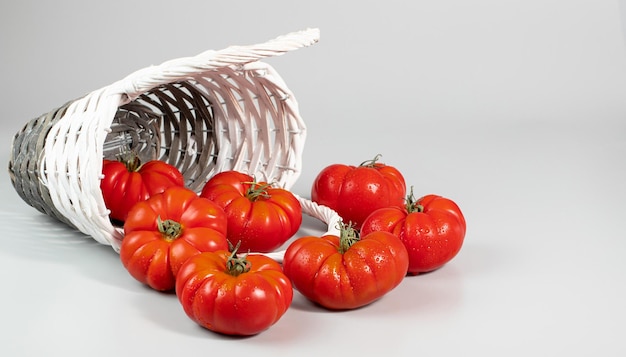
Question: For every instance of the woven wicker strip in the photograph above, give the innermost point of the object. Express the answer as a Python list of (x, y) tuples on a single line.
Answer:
[(219, 110)]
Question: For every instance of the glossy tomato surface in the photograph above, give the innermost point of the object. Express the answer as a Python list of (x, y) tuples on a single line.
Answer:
[(126, 182), (356, 191), (260, 217), (342, 273), (241, 298), (164, 231), (432, 228)]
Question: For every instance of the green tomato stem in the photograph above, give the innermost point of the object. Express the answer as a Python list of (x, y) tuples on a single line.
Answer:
[(257, 190), (370, 163), (347, 237), (130, 159), (170, 229), (235, 265), (411, 203)]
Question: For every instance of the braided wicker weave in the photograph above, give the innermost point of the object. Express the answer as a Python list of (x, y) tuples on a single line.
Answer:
[(219, 110)]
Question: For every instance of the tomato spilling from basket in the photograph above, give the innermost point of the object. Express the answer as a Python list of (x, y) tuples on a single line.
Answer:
[(211, 244), (204, 208)]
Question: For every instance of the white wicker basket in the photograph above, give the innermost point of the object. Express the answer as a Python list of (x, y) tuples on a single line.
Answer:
[(219, 110)]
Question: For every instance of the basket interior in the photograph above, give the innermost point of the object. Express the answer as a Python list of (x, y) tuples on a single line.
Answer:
[(216, 122), (173, 123)]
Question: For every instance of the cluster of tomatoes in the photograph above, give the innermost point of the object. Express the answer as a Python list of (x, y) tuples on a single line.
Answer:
[(200, 245)]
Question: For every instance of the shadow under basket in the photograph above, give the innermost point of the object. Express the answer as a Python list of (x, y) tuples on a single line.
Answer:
[(217, 111)]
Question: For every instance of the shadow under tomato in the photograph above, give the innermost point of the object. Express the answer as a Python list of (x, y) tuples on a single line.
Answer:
[(441, 289), (165, 311)]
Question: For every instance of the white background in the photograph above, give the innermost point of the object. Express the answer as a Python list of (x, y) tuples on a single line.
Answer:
[(514, 109)]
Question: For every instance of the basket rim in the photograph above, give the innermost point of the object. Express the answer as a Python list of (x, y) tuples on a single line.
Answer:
[(95, 113)]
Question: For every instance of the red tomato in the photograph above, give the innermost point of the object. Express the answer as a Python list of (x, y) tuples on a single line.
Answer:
[(432, 229), (126, 181), (260, 217), (234, 296), (164, 231), (346, 272), (356, 191)]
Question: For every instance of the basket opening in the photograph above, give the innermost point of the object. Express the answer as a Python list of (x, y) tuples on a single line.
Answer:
[(172, 123), (234, 119)]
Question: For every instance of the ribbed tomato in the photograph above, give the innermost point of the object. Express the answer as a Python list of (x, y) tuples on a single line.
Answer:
[(346, 272), (233, 295), (356, 191), (127, 181), (164, 231), (432, 228), (260, 217)]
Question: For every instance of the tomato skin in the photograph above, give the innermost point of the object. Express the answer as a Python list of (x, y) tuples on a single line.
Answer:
[(122, 186), (246, 304), (356, 191), (433, 236), (261, 223), (153, 257), (362, 274)]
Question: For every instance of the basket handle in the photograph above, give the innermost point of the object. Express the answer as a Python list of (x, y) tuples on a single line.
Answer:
[(178, 69), (323, 213)]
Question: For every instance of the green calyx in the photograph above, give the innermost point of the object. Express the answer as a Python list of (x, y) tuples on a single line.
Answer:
[(235, 265), (348, 235), (411, 204), (170, 229), (257, 190), (130, 159)]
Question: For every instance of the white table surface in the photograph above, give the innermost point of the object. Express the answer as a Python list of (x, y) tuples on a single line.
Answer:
[(516, 110)]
